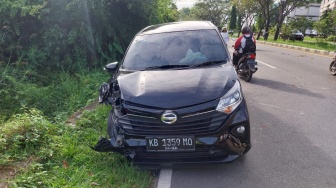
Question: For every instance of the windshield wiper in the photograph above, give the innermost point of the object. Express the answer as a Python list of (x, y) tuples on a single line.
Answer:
[(207, 63), (166, 67)]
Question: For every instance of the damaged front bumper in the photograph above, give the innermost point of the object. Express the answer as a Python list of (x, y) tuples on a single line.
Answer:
[(208, 149)]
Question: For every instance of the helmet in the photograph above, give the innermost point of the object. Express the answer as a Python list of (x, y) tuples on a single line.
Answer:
[(246, 30)]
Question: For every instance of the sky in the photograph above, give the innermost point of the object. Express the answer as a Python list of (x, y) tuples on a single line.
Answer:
[(185, 3)]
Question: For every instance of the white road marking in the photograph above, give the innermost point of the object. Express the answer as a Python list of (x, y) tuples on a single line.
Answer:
[(165, 178), (263, 104), (276, 107), (270, 66), (266, 64)]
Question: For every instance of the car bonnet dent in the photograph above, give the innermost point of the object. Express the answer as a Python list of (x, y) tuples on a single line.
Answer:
[(171, 89)]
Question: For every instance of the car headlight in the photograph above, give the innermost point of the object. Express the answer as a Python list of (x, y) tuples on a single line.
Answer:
[(231, 100)]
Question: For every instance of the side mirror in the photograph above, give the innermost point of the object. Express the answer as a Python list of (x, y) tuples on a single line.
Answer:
[(111, 67)]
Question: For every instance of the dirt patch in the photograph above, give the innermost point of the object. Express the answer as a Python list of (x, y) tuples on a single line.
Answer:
[(72, 119), (9, 171)]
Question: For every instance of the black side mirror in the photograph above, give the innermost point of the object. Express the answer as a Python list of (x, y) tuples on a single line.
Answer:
[(111, 67)]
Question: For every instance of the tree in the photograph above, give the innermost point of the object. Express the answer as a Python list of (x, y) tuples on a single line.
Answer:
[(327, 23), (301, 23), (284, 8), (233, 18), (215, 11), (166, 11), (186, 14), (260, 24), (239, 24), (247, 10), (72, 34), (267, 8)]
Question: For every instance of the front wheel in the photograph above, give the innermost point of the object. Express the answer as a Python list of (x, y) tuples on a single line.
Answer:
[(110, 125), (332, 68)]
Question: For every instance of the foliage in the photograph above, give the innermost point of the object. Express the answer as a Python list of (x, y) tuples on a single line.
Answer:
[(308, 43), (327, 24), (58, 155), (233, 18), (260, 22), (332, 38), (185, 14), (23, 135), (62, 95), (216, 11), (247, 10), (286, 31), (239, 23), (49, 53), (166, 11), (285, 7), (70, 34), (301, 24), (48, 46)]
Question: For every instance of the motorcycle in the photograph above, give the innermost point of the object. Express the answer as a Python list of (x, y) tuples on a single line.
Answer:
[(332, 66), (247, 65)]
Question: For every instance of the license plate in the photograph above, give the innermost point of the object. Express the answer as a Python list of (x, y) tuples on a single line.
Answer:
[(251, 62), (174, 143)]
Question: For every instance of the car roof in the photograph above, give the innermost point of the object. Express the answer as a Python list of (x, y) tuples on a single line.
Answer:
[(177, 26)]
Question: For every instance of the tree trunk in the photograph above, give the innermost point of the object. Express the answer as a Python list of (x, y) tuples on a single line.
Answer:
[(268, 21), (267, 27), (276, 35), (261, 28)]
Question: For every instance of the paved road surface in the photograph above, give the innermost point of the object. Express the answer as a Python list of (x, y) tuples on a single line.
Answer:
[(292, 105)]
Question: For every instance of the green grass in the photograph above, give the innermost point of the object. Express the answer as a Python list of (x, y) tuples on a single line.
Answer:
[(308, 42), (59, 97), (43, 150), (61, 156)]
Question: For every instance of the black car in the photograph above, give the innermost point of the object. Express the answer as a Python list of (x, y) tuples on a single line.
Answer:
[(298, 35), (176, 99)]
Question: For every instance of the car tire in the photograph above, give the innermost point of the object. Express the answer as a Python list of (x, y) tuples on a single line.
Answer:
[(110, 124)]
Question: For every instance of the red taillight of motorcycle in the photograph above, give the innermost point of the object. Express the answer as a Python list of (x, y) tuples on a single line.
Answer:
[(252, 56)]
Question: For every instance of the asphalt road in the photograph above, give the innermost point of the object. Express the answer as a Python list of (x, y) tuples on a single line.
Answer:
[(292, 104)]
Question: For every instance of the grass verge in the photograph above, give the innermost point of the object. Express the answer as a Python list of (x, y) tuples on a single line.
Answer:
[(308, 42), (59, 155)]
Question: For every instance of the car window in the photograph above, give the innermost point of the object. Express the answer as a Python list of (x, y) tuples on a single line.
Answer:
[(175, 48)]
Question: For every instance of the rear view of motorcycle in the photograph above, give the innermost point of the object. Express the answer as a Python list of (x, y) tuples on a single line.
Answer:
[(332, 66), (247, 66)]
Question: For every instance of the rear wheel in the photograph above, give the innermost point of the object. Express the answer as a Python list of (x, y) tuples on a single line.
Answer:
[(248, 76), (332, 68)]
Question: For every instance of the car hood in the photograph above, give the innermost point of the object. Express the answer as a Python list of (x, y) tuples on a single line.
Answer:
[(171, 89)]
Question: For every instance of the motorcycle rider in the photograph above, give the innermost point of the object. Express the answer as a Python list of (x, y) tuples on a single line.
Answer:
[(225, 35), (243, 45)]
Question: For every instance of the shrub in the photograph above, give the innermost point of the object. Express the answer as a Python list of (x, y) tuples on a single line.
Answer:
[(331, 38), (57, 97), (23, 135)]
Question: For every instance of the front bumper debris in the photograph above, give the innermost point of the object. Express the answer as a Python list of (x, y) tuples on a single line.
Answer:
[(222, 148)]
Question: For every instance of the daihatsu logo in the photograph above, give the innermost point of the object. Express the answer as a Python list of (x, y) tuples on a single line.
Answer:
[(169, 117)]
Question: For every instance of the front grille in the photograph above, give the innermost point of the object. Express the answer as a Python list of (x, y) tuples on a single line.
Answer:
[(193, 120)]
